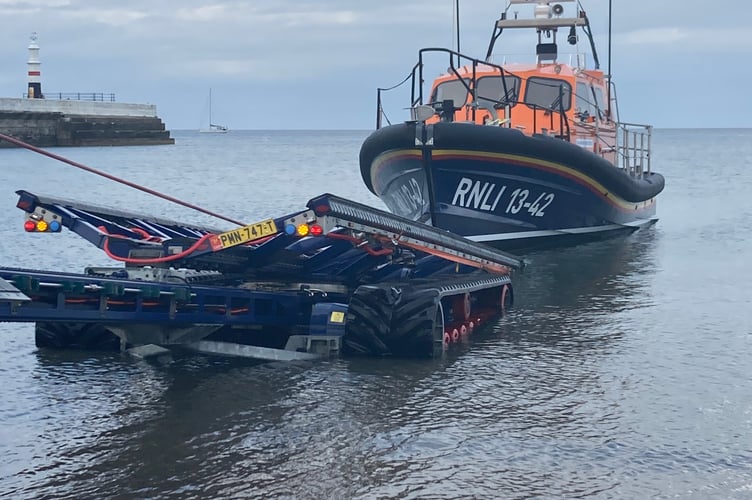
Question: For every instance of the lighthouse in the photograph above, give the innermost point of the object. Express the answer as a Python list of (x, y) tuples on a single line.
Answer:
[(35, 83)]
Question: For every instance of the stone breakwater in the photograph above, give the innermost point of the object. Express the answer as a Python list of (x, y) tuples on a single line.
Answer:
[(50, 123)]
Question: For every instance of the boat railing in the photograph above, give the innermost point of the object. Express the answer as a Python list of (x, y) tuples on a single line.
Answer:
[(506, 100), (545, 127), (380, 113), (576, 59), (77, 96), (634, 142)]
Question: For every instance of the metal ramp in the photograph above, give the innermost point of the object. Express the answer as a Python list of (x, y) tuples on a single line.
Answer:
[(10, 294), (353, 237)]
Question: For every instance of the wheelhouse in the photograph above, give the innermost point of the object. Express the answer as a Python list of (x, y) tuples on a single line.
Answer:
[(542, 99)]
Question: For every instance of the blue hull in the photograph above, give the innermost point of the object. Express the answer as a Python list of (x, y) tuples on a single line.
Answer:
[(503, 188)]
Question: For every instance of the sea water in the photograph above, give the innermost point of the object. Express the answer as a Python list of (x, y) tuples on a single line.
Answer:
[(622, 371)]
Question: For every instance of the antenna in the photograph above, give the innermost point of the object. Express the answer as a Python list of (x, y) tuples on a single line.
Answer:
[(608, 88), (457, 28)]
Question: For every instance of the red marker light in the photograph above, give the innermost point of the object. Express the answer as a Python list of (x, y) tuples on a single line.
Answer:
[(316, 230), (30, 226)]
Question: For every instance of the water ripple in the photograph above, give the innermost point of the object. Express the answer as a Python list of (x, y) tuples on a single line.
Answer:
[(621, 372)]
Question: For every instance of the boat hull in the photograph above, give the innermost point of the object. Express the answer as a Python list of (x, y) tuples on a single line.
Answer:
[(498, 186)]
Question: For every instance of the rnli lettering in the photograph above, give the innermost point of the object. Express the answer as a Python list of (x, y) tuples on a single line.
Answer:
[(477, 196), (482, 195)]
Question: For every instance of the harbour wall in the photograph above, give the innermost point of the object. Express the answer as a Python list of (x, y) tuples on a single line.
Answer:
[(50, 123)]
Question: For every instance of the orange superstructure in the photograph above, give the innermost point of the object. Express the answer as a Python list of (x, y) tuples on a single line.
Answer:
[(554, 99)]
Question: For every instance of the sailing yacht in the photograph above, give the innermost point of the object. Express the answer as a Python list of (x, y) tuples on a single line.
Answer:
[(213, 127)]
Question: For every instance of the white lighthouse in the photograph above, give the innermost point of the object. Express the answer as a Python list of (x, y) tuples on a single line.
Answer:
[(35, 80)]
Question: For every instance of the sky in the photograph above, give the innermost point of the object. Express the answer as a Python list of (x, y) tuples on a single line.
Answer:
[(316, 64)]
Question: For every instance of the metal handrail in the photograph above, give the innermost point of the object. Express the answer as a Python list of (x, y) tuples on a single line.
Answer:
[(471, 87), (76, 96), (456, 60), (634, 144)]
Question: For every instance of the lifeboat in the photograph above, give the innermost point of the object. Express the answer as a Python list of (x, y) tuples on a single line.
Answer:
[(518, 155)]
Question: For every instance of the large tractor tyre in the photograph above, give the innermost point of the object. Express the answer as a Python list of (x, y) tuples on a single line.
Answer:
[(88, 336), (369, 316), (53, 335), (420, 334), (417, 326), (94, 337)]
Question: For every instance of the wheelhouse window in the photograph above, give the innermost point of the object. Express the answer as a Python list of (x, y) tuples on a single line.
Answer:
[(585, 105), (599, 101), (490, 90), (548, 93), (453, 90)]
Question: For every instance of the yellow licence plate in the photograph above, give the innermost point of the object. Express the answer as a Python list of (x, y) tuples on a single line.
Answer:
[(245, 234)]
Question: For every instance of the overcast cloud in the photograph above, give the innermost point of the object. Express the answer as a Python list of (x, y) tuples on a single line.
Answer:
[(316, 64)]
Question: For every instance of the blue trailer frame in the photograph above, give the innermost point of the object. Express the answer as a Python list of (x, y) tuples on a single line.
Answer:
[(269, 286)]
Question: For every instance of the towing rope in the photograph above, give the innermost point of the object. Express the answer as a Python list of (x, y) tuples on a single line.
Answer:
[(145, 189)]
